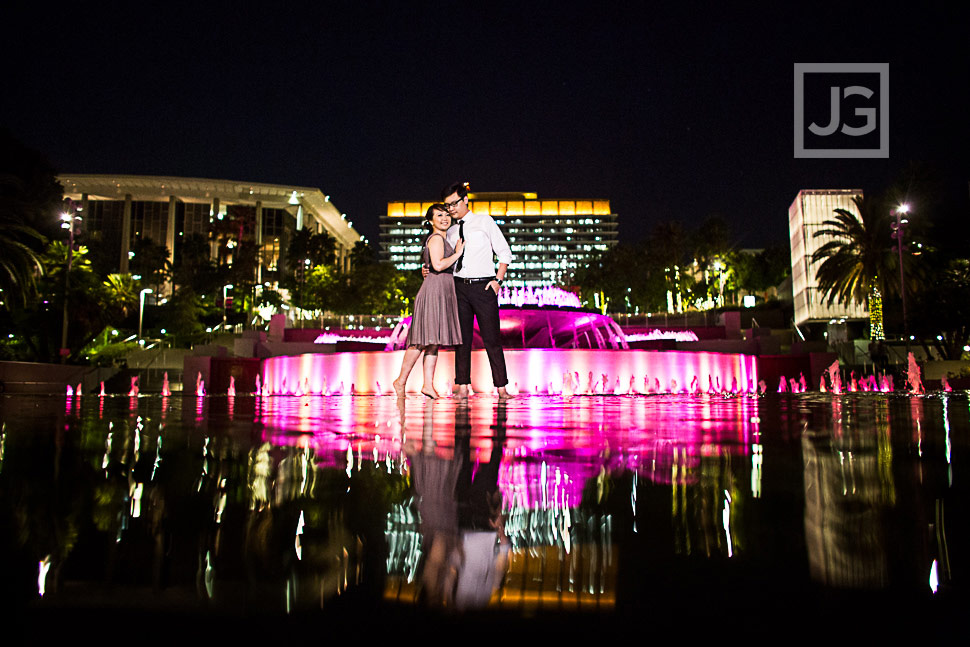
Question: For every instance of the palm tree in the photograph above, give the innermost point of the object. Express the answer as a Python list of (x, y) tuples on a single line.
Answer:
[(121, 293), (19, 261), (30, 198), (857, 263)]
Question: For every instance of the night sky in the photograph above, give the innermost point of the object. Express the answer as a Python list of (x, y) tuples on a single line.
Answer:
[(672, 114)]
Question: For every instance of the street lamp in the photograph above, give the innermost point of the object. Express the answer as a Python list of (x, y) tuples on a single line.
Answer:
[(719, 268), (70, 220), (225, 308), (141, 307), (898, 229)]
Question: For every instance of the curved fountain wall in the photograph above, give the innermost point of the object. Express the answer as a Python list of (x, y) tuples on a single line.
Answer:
[(534, 371), (551, 347), (540, 328)]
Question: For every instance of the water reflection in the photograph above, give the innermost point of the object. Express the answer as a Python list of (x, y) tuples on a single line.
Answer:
[(291, 503), (849, 491)]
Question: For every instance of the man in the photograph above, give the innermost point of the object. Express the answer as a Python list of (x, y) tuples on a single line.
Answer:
[(477, 285)]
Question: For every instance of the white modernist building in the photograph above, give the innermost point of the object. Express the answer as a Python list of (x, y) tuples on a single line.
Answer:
[(805, 217), (123, 208)]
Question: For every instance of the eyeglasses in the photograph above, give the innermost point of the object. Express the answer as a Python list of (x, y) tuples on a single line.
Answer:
[(453, 205)]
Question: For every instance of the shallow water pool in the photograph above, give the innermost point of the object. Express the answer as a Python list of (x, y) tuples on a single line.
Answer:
[(701, 508)]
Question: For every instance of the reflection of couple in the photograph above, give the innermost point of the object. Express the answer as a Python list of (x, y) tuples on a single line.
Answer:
[(465, 549), (460, 284)]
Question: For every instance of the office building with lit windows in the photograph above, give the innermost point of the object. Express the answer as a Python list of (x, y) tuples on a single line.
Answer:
[(117, 210), (550, 238), (806, 214)]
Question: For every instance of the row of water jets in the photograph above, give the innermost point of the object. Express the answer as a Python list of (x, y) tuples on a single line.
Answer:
[(134, 391), (882, 383), (572, 384)]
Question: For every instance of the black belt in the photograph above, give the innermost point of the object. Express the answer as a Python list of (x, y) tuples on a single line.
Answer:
[(484, 279)]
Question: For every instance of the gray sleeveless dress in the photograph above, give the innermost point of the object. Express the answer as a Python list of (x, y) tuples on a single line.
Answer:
[(435, 318)]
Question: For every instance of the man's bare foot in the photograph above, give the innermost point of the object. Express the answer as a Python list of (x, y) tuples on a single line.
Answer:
[(398, 388), (503, 394), (462, 391), (430, 392)]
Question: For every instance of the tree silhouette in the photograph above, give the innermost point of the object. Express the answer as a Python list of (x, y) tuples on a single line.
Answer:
[(941, 318), (30, 199)]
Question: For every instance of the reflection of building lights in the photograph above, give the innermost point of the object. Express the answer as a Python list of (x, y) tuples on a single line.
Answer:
[(42, 568), (757, 460), (296, 543), (726, 519)]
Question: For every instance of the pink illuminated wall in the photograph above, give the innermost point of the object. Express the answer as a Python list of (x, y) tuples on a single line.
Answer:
[(534, 371)]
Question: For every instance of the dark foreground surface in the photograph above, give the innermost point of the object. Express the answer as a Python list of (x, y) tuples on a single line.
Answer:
[(655, 517)]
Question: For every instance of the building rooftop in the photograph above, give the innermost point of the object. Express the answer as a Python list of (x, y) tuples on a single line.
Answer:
[(509, 204), (315, 203)]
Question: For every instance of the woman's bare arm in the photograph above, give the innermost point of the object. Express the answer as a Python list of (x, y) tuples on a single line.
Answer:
[(436, 250)]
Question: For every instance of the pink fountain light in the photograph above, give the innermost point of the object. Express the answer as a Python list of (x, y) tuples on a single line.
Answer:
[(535, 371), (661, 447), (549, 328), (835, 377), (548, 296), (676, 335), (913, 376), (551, 348), (334, 337)]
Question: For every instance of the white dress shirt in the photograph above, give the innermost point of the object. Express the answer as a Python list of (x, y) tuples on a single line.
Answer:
[(483, 239)]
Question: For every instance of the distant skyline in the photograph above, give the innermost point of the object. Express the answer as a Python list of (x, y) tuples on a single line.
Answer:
[(671, 114)]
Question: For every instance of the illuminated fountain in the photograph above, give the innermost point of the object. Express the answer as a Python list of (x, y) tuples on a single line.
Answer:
[(551, 347)]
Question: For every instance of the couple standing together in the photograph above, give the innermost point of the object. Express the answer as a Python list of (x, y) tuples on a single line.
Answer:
[(460, 284)]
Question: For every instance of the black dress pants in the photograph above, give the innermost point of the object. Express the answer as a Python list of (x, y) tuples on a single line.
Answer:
[(474, 300)]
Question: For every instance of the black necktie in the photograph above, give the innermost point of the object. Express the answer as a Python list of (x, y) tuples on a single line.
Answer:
[(461, 236)]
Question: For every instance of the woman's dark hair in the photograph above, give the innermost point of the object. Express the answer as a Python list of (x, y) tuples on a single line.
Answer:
[(437, 206), (429, 214), (461, 188)]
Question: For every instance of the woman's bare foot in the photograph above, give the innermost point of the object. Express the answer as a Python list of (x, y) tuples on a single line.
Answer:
[(398, 388), (430, 392)]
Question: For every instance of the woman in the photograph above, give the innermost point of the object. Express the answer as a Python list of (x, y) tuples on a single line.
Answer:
[(435, 319)]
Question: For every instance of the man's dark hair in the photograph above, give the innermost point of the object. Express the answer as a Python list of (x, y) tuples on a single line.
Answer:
[(461, 188)]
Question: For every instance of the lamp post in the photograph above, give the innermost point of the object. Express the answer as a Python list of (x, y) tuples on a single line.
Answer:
[(898, 229), (225, 288), (69, 220), (141, 307), (719, 267)]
